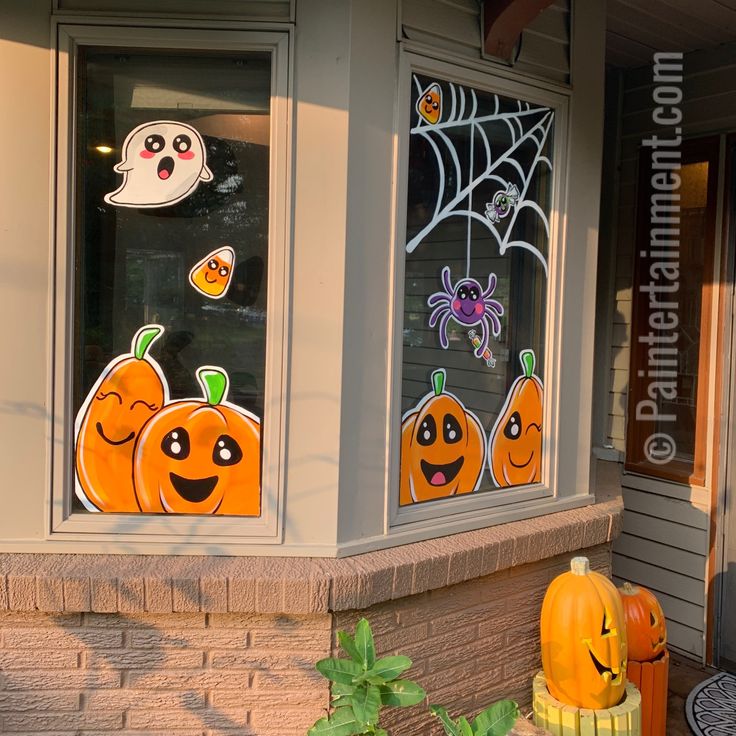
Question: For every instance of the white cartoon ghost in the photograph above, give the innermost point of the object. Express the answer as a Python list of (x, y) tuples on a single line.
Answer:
[(163, 162)]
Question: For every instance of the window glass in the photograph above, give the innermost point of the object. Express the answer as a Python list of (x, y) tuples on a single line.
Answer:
[(477, 241), (171, 258)]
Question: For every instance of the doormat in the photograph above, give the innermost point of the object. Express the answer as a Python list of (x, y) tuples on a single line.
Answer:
[(711, 706)]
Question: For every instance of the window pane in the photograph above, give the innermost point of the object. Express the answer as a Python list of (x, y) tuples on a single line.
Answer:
[(171, 213), (478, 202)]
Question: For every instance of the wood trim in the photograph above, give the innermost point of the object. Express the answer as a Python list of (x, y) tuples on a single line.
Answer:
[(503, 22), (701, 149)]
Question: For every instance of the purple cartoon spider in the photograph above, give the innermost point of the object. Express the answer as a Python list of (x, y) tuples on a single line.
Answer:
[(468, 304)]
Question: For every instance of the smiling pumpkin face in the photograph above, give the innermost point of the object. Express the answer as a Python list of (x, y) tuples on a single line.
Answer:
[(126, 395), (583, 638), (200, 457), (442, 447), (646, 628), (516, 437)]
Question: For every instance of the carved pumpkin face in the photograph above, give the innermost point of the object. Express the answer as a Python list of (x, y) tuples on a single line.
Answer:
[(646, 629), (442, 447), (200, 457), (429, 104), (516, 437), (127, 394), (583, 637), (212, 275)]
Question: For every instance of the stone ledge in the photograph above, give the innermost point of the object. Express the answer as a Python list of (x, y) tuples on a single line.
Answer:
[(301, 585)]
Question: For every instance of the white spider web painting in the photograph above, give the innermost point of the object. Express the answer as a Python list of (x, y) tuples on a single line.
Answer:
[(484, 146)]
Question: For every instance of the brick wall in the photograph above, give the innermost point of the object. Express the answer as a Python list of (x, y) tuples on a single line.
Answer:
[(205, 674)]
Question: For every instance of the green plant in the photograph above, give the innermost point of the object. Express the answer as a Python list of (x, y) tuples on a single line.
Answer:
[(497, 720), (362, 685)]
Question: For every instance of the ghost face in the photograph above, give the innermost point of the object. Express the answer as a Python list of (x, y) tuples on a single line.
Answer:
[(163, 162)]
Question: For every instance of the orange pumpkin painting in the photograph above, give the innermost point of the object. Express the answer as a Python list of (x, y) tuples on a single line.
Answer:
[(429, 104), (212, 275), (130, 390), (200, 456), (443, 447), (515, 457)]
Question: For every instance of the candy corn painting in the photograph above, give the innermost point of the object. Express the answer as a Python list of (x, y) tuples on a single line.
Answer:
[(429, 105), (212, 275)]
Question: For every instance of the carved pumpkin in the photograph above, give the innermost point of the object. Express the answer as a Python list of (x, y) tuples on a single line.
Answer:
[(646, 629), (443, 447), (516, 438), (200, 457), (583, 637), (127, 394)]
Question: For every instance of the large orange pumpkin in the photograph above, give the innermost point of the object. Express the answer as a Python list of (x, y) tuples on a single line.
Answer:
[(200, 457), (583, 637), (515, 456), (127, 394), (443, 447), (646, 629)]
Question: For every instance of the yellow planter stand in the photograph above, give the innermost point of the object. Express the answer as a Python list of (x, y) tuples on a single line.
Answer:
[(567, 720)]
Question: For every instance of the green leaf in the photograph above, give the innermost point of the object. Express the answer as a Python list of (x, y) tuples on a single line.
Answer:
[(497, 720), (402, 693), (366, 703), (527, 362), (348, 644), (364, 643), (339, 670), (340, 688), (341, 723), (451, 728), (438, 381), (380, 732), (143, 339), (465, 728), (389, 668), (214, 383)]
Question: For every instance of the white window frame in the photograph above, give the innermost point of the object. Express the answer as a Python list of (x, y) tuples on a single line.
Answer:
[(162, 532), (500, 505)]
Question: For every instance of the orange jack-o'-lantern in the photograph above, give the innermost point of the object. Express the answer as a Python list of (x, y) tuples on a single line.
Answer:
[(200, 457), (646, 629), (127, 394), (516, 437), (443, 447), (583, 637), (429, 104), (211, 276)]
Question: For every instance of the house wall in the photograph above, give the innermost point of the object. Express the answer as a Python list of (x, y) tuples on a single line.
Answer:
[(211, 674), (666, 529)]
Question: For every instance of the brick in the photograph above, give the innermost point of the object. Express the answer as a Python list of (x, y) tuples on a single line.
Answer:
[(131, 595), (42, 701), (77, 594), (104, 592), (289, 680), (147, 621), (41, 659), (269, 596), (36, 619), (273, 700), (3, 592), (155, 700), (71, 680), (37, 723), (296, 599), (241, 595), (403, 577), (22, 592), (183, 718), (301, 639), (200, 638), (213, 594), (50, 639), (185, 680), (158, 595), (258, 660), (185, 594), (145, 659), (49, 594), (319, 594), (286, 718)]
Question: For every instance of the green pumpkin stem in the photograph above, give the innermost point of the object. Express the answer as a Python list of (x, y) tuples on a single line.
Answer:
[(214, 383), (143, 340), (438, 381), (527, 362)]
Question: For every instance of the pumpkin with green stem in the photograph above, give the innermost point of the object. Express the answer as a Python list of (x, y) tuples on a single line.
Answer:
[(127, 394), (200, 456)]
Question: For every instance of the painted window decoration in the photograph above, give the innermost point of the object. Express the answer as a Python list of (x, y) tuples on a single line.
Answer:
[(171, 262), (476, 277)]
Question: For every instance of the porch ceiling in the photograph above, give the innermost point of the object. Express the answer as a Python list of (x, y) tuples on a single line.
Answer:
[(638, 28)]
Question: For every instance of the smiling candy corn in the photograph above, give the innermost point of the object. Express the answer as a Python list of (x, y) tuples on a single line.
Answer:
[(211, 276), (429, 104)]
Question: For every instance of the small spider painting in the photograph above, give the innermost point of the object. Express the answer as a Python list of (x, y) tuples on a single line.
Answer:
[(503, 202), (468, 304)]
